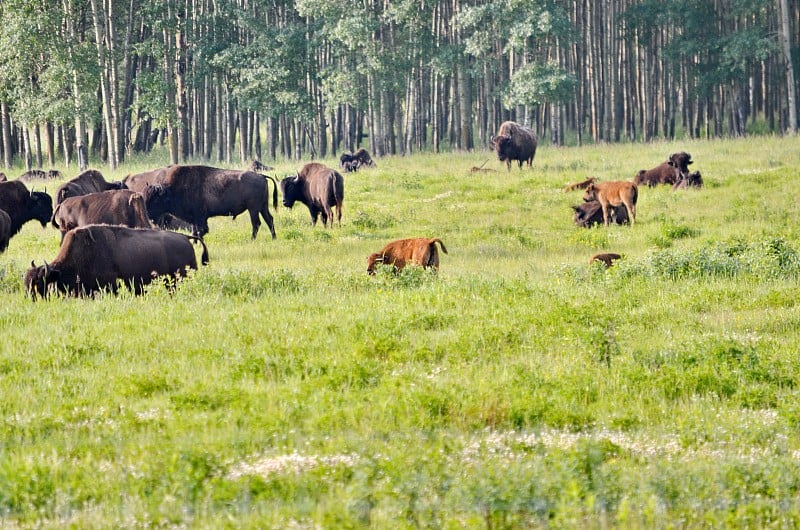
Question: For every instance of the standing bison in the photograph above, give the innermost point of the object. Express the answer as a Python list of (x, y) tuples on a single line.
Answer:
[(114, 207), (612, 194), (514, 142), (420, 251), (98, 257), (90, 181), (352, 162), (320, 188), (22, 205), (5, 230), (195, 193)]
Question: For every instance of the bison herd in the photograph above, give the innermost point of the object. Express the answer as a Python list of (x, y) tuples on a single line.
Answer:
[(123, 232)]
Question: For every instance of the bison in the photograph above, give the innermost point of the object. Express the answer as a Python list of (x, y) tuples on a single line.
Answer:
[(352, 162), (140, 181), (420, 251), (669, 172), (613, 193), (22, 205), (195, 193), (606, 258), (99, 257), (258, 167), (692, 180), (90, 181), (317, 186), (582, 185), (113, 207), (40, 174), (514, 142), (5, 230), (590, 213)]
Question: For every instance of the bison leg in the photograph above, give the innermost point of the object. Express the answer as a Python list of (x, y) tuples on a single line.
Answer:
[(255, 222), (268, 219)]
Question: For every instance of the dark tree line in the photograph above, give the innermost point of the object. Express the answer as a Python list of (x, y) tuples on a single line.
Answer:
[(234, 80)]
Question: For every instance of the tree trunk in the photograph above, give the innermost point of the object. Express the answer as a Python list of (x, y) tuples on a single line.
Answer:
[(787, 53)]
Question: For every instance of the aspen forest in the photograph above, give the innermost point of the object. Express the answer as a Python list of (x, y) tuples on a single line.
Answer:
[(93, 82)]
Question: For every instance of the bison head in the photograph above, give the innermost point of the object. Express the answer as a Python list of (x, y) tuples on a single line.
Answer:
[(591, 193), (681, 162), (373, 260), (38, 279), (290, 189), (158, 200), (40, 207), (504, 146)]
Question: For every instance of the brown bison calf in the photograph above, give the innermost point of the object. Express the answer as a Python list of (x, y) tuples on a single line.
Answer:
[(420, 251), (613, 193), (607, 258)]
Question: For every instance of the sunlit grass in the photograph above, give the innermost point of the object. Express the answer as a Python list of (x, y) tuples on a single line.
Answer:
[(519, 387)]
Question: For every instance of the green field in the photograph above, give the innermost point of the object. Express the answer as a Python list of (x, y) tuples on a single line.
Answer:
[(282, 387)]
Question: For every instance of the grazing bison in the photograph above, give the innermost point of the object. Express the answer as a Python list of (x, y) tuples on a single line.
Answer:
[(606, 258), (90, 181), (514, 142), (692, 180), (613, 193), (5, 230), (40, 174), (195, 193), (113, 207), (22, 205), (320, 188), (582, 185), (96, 257), (670, 172), (590, 213), (258, 167), (420, 251), (352, 162)]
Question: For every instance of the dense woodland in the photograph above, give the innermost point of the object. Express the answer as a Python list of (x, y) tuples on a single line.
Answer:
[(95, 81)]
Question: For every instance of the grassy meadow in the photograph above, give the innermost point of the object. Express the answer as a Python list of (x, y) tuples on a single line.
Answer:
[(282, 387)]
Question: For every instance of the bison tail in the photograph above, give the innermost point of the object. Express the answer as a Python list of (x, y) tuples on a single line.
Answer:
[(204, 256), (53, 218), (437, 240)]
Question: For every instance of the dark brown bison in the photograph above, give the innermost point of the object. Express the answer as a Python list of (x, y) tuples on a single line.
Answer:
[(22, 205), (351, 162), (613, 193), (258, 167), (99, 257), (420, 251), (40, 174), (140, 181), (514, 142), (195, 193), (113, 207), (90, 181), (675, 168), (606, 258), (320, 188), (5, 230), (590, 213), (692, 180)]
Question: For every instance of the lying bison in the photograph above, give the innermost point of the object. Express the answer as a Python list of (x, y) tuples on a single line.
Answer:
[(100, 257), (90, 181), (114, 207), (320, 188), (195, 193), (669, 172), (22, 205), (613, 193), (352, 162), (514, 142), (588, 214), (420, 251), (692, 180)]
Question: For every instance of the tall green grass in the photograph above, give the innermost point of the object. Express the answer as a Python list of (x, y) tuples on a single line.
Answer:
[(282, 387)]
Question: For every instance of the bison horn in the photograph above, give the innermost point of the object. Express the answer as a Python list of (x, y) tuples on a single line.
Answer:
[(33, 265)]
